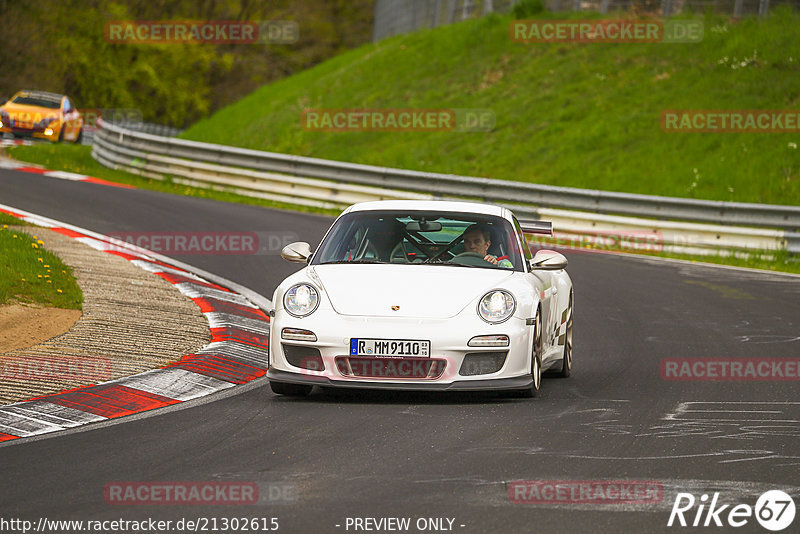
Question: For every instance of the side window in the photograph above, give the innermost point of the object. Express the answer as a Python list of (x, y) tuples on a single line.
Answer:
[(525, 250), (67, 105)]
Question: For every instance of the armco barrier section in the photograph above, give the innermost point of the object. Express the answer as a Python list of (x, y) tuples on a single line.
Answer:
[(681, 225)]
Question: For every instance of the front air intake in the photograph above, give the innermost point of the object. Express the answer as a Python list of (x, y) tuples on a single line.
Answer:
[(482, 363), (303, 356)]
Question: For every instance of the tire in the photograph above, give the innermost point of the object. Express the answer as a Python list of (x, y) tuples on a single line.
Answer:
[(536, 360), (79, 139), (566, 362), (61, 134), (290, 390)]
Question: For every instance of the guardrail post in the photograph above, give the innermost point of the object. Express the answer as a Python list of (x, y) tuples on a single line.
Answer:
[(793, 243)]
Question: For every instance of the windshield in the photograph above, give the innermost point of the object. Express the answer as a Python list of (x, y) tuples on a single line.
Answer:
[(416, 238), (37, 101)]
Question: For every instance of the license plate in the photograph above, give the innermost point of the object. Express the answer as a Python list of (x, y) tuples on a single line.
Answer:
[(398, 348)]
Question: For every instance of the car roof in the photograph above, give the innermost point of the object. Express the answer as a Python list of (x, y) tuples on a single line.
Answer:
[(454, 206), (42, 94)]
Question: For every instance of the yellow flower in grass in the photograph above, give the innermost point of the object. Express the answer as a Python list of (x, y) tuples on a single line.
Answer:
[(39, 275), (49, 281), (34, 245), (59, 290), (40, 259), (15, 236), (47, 265), (40, 242), (23, 280)]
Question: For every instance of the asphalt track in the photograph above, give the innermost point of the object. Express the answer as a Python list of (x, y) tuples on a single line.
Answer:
[(384, 454)]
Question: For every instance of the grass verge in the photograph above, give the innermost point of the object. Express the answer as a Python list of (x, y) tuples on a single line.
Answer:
[(31, 274)]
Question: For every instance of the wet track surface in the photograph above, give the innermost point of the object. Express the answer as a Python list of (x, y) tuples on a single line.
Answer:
[(385, 454)]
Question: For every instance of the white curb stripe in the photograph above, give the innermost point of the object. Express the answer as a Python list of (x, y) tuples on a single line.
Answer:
[(40, 417), (193, 291), (175, 383), (221, 320), (240, 351)]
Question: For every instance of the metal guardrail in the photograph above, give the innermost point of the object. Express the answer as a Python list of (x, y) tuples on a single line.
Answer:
[(145, 127), (332, 184)]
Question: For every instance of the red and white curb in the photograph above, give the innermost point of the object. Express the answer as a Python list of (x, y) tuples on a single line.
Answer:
[(237, 353), (62, 175)]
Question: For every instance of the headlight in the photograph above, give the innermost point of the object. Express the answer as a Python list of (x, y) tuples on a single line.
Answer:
[(301, 300), (496, 306)]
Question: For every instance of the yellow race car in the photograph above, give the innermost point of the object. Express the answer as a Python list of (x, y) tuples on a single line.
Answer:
[(42, 115)]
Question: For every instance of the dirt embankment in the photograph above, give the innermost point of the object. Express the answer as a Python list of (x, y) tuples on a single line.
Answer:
[(25, 325)]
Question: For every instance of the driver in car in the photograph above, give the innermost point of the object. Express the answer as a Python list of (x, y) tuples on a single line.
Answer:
[(477, 240)]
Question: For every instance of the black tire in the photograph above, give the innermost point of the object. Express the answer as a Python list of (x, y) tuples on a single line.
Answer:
[(61, 134), (79, 139), (290, 390), (536, 360)]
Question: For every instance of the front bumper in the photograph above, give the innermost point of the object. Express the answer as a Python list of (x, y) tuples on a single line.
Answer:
[(37, 133), (451, 365), (496, 384)]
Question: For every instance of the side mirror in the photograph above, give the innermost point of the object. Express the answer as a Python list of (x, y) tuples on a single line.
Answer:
[(298, 252), (548, 260)]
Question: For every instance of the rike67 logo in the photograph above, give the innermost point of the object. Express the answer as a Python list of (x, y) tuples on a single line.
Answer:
[(774, 510)]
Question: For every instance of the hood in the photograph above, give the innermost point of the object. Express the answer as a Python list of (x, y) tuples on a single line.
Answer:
[(421, 291)]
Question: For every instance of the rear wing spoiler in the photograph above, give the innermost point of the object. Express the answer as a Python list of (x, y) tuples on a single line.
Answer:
[(537, 227)]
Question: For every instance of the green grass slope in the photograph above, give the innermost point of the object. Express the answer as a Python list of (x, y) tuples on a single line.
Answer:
[(569, 114)]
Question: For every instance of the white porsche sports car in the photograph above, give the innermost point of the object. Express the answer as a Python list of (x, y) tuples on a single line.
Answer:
[(422, 295)]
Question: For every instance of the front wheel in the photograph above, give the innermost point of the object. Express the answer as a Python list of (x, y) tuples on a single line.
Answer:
[(536, 359), (290, 390)]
